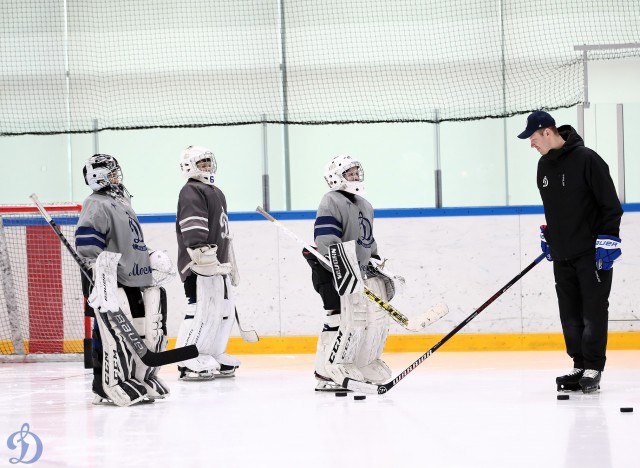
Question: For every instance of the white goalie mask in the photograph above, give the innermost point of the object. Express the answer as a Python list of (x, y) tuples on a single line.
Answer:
[(102, 171), (345, 173), (197, 162)]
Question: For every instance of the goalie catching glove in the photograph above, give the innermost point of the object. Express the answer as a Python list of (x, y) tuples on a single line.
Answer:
[(204, 261)]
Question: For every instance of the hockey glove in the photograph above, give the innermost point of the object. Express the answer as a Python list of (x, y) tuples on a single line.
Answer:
[(104, 295), (204, 261), (162, 268), (607, 251), (543, 243)]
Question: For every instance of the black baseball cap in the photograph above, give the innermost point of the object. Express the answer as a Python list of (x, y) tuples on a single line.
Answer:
[(536, 121)]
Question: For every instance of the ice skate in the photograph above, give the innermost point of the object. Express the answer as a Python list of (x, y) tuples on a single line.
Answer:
[(226, 371), (325, 384), (590, 381), (189, 375), (571, 381)]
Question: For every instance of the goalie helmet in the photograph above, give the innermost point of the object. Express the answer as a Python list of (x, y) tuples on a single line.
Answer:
[(102, 171), (193, 164), (345, 173)]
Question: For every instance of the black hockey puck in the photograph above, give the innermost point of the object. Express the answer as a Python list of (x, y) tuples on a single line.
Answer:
[(626, 410), (359, 397), (341, 393), (563, 397)]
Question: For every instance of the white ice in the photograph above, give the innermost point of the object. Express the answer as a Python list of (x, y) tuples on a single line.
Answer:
[(455, 410)]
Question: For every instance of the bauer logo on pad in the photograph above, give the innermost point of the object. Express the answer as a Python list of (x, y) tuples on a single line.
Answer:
[(345, 268)]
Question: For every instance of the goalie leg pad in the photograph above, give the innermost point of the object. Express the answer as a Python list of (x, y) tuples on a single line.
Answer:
[(117, 365), (228, 363), (201, 323), (154, 334), (341, 361), (368, 360)]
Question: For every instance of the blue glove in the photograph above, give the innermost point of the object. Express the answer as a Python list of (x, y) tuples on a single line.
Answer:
[(607, 251), (543, 243)]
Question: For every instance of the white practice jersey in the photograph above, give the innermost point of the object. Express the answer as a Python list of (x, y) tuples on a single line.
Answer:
[(109, 223), (343, 217)]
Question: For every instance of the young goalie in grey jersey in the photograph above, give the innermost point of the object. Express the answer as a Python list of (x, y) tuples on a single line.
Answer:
[(128, 277), (355, 329), (207, 268)]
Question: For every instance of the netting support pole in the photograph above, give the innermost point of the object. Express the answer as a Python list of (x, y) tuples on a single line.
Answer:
[(96, 141), (620, 134), (437, 163), (9, 294), (581, 120), (265, 166), (285, 109)]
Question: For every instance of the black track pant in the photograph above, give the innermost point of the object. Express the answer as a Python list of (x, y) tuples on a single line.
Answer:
[(583, 299)]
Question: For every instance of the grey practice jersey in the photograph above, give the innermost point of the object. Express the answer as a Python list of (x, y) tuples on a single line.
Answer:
[(201, 219), (343, 217), (108, 223)]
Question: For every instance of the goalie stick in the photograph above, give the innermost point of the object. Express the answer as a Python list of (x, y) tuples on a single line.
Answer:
[(250, 336), (424, 319), (357, 386), (119, 319)]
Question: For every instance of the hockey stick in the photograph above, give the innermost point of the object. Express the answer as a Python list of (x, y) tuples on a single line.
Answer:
[(250, 336), (357, 386), (424, 319), (119, 319)]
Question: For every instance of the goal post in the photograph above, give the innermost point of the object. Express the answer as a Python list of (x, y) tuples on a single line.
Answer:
[(42, 305)]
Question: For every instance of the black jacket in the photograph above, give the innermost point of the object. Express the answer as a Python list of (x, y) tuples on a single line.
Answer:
[(579, 198)]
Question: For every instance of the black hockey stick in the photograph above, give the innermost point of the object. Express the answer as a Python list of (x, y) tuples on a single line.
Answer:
[(119, 319), (357, 386)]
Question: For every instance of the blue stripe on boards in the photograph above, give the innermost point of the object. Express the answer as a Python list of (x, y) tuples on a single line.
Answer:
[(386, 213)]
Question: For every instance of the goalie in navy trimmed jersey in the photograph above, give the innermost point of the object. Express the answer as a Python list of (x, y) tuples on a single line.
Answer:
[(127, 276), (207, 269), (355, 329)]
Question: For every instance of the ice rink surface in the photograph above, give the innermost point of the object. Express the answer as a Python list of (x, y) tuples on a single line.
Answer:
[(455, 410)]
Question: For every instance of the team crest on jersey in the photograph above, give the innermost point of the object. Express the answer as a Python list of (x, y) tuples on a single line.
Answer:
[(224, 224), (136, 230), (545, 181), (366, 231)]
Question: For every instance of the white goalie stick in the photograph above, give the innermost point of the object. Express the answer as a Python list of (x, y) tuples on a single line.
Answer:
[(358, 386), (119, 319), (423, 320), (250, 336)]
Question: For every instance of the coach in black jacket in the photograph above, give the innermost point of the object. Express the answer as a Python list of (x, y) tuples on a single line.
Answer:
[(581, 236)]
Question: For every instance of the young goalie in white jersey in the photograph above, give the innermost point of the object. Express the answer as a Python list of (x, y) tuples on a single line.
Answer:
[(207, 268), (355, 329), (127, 276)]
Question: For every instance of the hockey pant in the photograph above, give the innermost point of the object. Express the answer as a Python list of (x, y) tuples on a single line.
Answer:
[(208, 323), (354, 349)]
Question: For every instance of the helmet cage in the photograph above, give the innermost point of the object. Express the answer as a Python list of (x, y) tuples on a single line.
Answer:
[(102, 171), (335, 175)]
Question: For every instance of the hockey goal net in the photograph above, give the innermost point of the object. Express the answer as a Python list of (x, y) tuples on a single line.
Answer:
[(41, 306)]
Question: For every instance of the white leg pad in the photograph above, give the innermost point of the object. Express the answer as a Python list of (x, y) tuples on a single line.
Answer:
[(325, 343), (152, 330), (372, 344), (341, 361), (117, 365), (221, 340), (202, 322)]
